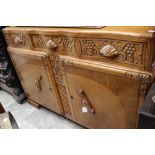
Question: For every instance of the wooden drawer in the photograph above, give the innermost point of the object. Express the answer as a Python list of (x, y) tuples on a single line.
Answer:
[(53, 43), (36, 77), (18, 40), (102, 96), (123, 46), (119, 52)]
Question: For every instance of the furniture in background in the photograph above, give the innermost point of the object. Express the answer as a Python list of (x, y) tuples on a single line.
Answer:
[(2, 110), (97, 77), (8, 78), (147, 112), (7, 120)]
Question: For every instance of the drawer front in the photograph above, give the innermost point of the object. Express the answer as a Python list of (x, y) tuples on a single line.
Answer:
[(33, 75), (114, 51), (63, 44), (102, 99), (18, 40)]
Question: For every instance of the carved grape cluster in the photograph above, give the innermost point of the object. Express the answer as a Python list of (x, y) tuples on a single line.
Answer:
[(67, 41), (90, 45), (129, 49), (37, 41)]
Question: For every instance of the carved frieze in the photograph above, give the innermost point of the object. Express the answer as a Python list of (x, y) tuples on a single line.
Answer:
[(62, 43), (128, 52), (17, 40)]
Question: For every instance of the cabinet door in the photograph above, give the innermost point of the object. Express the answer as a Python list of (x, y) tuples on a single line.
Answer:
[(34, 74), (101, 100)]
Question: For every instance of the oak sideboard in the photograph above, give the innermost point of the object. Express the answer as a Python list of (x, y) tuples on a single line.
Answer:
[(95, 76)]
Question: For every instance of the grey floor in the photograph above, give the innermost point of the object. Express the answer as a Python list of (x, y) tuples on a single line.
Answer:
[(29, 117)]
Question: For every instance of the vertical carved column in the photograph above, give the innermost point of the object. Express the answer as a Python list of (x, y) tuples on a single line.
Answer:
[(55, 46), (58, 73)]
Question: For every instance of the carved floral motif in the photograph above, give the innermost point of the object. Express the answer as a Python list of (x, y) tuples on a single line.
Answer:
[(127, 51)]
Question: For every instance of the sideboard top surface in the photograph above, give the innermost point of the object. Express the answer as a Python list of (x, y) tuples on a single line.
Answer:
[(141, 32)]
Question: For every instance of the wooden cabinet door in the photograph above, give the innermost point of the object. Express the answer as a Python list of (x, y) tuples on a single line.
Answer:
[(34, 74), (113, 100)]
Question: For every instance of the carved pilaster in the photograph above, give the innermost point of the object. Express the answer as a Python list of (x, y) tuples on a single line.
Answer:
[(58, 73)]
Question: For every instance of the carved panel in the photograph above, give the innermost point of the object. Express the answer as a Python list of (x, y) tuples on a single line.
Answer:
[(64, 99), (37, 41), (64, 43), (17, 40), (58, 74), (129, 52), (57, 69)]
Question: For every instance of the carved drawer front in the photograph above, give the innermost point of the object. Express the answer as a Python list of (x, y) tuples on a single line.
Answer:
[(100, 97), (17, 40), (33, 74), (128, 53), (53, 43)]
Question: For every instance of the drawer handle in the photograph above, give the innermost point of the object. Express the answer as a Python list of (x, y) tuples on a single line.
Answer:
[(18, 40), (51, 45), (109, 51), (38, 84), (86, 103)]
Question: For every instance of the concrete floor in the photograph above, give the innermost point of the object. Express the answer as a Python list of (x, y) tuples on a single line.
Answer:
[(29, 117)]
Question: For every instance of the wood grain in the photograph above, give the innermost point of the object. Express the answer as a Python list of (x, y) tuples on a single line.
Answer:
[(112, 65)]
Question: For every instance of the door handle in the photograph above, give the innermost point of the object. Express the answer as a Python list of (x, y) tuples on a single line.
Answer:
[(86, 103), (38, 83)]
